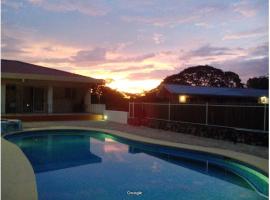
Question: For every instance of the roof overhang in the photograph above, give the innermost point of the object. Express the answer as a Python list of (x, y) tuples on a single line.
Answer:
[(221, 92), (82, 79)]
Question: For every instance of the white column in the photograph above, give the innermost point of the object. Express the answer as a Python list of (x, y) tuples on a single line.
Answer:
[(3, 98), (50, 99)]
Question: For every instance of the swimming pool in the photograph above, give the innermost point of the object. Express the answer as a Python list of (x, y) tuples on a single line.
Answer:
[(77, 164)]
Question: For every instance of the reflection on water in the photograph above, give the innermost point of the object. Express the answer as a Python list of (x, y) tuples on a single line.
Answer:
[(54, 152), (199, 166), (93, 165), (111, 146)]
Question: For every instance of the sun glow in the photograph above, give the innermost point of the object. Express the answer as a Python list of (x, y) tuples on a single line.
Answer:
[(133, 86)]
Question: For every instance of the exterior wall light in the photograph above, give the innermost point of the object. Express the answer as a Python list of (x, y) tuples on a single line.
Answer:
[(105, 117), (263, 100), (182, 98)]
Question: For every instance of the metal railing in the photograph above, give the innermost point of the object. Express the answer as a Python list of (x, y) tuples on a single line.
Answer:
[(248, 117)]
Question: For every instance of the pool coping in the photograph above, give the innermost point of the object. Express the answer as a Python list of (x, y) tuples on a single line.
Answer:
[(18, 178), (257, 162)]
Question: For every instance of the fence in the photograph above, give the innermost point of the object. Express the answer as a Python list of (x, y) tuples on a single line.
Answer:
[(248, 117)]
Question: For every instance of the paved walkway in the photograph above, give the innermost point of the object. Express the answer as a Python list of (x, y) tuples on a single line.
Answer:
[(157, 134)]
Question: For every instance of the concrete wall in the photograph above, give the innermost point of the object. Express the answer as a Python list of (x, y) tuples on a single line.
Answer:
[(116, 116), (96, 108)]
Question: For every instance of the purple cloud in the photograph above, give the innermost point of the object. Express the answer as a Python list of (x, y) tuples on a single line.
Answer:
[(245, 8), (246, 68), (91, 8), (155, 74), (206, 51), (133, 68), (247, 34), (94, 55)]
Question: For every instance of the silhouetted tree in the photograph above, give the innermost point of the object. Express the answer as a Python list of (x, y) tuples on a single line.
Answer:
[(205, 75), (258, 82), (113, 99), (232, 80)]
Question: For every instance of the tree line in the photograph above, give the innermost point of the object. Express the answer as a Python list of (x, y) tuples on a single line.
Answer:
[(201, 75)]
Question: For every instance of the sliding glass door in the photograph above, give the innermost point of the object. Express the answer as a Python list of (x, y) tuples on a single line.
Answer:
[(38, 100), (33, 99)]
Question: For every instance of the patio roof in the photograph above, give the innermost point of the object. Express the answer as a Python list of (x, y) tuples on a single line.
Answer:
[(214, 91), (12, 69)]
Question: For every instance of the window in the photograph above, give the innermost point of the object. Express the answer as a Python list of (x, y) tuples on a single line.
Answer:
[(182, 98), (70, 93)]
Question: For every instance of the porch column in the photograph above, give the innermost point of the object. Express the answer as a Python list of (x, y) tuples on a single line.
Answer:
[(50, 99), (87, 101), (3, 98)]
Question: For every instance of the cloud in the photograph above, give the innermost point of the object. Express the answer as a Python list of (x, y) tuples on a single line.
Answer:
[(100, 55), (91, 8), (153, 74), (94, 55), (12, 45), (171, 14), (244, 61), (15, 4), (246, 68), (133, 68), (161, 21), (246, 34), (158, 38), (254, 63), (203, 25), (51, 60), (245, 8), (136, 58), (260, 50), (22, 44), (206, 51)]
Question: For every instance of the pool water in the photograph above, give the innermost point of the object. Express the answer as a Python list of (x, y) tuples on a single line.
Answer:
[(84, 165)]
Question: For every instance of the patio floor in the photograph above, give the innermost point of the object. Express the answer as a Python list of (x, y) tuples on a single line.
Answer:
[(156, 134)]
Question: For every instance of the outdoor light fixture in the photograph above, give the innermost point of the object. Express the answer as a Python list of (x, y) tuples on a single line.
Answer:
[(109, 140), (264, 100), (182, 98), (105, 117)]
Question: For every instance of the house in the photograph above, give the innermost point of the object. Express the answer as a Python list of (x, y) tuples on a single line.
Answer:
[(30, 89), (195, 94)]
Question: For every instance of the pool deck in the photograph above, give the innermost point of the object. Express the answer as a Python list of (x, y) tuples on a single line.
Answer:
[(253, 155), (18, 178)]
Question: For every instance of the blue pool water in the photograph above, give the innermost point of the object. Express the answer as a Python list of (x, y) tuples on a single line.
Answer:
[(82, 165)]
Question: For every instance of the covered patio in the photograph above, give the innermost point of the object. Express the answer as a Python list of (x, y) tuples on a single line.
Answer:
[(30, 91)]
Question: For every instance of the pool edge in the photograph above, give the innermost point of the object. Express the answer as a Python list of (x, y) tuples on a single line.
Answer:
[(18, 178), (257, 162)]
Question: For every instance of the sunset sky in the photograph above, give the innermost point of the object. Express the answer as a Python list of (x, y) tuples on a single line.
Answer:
[(135, 44)]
